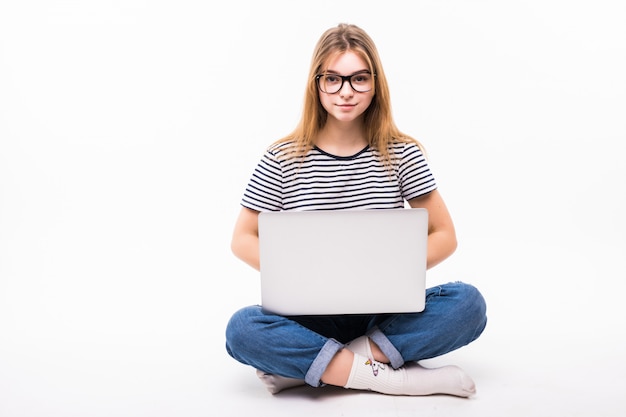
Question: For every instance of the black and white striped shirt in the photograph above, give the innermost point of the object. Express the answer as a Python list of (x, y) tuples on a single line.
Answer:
[(321, 181)]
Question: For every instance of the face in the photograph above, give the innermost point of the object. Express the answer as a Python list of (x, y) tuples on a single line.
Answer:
[(347, 105)]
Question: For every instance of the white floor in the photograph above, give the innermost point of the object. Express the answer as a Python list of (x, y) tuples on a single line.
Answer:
[(554, 346)]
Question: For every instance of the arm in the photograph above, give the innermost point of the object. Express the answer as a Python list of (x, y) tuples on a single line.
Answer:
[(441, 234), (245, 240)]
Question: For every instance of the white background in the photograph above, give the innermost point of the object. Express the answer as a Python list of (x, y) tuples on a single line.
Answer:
[(128, 131)]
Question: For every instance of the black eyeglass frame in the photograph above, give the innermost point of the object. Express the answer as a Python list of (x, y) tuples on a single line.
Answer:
[(344, 78)]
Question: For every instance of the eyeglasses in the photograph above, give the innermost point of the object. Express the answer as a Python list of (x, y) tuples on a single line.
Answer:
[(361, 82)]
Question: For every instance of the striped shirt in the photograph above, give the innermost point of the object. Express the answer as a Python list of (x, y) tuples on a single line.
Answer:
[(321, 181)]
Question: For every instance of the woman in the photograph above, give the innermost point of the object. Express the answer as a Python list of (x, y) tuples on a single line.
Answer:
[(346, 153)]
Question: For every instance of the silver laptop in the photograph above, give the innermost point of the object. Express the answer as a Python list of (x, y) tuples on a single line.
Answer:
[(343, 262)]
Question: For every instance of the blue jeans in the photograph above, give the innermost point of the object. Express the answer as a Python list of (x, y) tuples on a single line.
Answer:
[(302, 346)]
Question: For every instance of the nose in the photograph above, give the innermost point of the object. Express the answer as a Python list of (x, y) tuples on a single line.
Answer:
[(346, 90)]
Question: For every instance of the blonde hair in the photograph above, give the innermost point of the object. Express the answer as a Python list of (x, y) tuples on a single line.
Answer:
[(380, 128)]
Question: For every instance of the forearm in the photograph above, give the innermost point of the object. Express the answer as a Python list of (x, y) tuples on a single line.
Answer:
[(441, 245), (441, 233), (246, 248)]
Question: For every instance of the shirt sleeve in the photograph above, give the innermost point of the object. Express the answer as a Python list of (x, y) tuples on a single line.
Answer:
[(264, 190), (415, 176)]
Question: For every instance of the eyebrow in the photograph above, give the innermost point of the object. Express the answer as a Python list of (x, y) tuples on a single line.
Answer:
[(329, 71)]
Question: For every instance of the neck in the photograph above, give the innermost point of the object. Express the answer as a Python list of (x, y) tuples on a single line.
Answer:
[(341, 139)]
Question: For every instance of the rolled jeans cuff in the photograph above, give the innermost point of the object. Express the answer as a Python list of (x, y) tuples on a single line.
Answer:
[(329, 350), (378, 337)]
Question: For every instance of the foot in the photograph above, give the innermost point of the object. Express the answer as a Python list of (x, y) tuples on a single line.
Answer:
[(411, 379), (276, 383)]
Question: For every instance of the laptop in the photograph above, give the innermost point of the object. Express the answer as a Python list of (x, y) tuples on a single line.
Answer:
[(343, 262)]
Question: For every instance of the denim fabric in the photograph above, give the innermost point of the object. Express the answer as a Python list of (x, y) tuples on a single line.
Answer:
[(302, 346)]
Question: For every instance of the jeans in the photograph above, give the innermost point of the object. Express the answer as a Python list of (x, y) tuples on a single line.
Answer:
[(302, 346)]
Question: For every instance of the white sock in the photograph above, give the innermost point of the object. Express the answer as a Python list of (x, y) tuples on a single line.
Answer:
[(411, 379), (276, 383), (361, 346)]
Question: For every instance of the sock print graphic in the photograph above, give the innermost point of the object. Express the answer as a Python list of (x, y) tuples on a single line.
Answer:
[(376, 366)]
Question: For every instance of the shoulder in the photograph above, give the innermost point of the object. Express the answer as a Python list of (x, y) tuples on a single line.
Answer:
[(279, 147), (406, 149), (283, 150)]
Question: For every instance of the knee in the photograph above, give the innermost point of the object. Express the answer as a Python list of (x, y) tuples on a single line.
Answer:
[(471, 305), (474, 306), (239, 327), (474, 298)]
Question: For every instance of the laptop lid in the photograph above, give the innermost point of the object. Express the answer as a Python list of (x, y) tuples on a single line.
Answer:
[(343, 262)]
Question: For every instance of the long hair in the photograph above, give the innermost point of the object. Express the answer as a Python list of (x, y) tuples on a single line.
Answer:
[(380, 128)]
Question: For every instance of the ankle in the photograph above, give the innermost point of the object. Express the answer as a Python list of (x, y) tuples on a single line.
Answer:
[(378, 354), (338, 369), (365, 346)]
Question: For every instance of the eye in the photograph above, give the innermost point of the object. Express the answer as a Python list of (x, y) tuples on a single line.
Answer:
[(361, 78), (331, 79)]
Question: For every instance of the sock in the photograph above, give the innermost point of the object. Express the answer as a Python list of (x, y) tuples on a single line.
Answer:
[(361, 346), (411, 379), (276, 383)]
